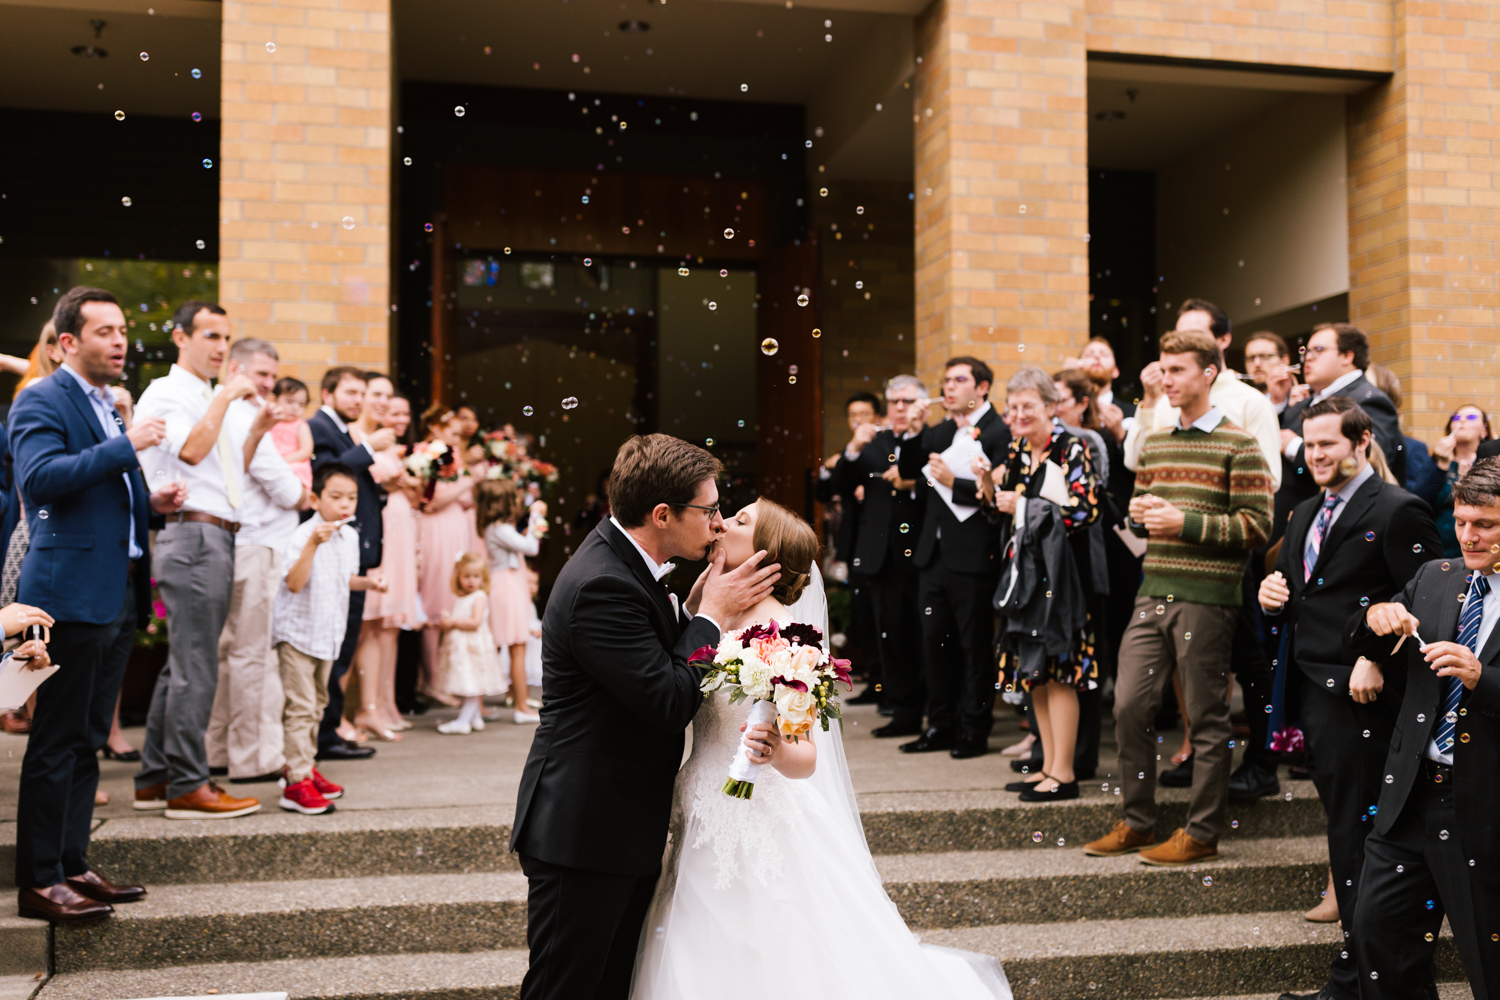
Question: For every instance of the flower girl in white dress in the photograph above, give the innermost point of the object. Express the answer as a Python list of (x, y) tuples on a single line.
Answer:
[(471, 664), (778, 892)]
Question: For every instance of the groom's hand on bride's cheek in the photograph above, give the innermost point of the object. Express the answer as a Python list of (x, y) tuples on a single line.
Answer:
[(727, 594)]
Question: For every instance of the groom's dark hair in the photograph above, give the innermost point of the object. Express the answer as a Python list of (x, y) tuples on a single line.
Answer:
[(656, 468)]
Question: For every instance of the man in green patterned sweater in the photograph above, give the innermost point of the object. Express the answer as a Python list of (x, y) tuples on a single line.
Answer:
[(1203, 501)]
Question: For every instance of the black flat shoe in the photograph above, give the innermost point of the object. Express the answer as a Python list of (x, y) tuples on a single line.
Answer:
[(1021, 786), (1180, 776), (258, 778), (897, 729), (129, 756), (1061, 793), (930, 741), (970, 747)]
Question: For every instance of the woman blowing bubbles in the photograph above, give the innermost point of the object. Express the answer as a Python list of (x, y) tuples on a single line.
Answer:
[(1052, 679)]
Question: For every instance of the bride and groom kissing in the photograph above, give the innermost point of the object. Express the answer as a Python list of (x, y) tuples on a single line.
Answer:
[(755, 894)]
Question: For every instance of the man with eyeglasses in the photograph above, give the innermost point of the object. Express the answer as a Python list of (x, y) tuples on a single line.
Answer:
[(889, 519), (1333, 365), (957, 557)]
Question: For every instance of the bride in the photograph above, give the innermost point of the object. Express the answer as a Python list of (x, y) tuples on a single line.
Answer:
[(779, 892)]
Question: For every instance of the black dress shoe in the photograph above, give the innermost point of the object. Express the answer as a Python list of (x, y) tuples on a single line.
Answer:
[(970, 746), (1324, 994), (258, 778), (869, 696), (1026, 765), (1252, 782), (98, 888), (128, 756), (59, 904), (897, 729), (1180, 776), (929, 741), (885, 711), (1298, 773), (1061, 793), (344, 750), (218, 772)]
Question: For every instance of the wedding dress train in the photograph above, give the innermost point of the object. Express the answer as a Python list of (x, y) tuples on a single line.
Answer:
[(778, 894)]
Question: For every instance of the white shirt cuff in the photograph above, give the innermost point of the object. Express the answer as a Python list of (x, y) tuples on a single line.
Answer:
[(1292, 447)]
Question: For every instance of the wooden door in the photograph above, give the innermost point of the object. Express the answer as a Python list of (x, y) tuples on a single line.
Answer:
[(789, 410)]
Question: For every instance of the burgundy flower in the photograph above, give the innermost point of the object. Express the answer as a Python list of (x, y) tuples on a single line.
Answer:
[(806, 635), (841, 671), (703, 654), (784, 682), (1288, 740), (768, 631)]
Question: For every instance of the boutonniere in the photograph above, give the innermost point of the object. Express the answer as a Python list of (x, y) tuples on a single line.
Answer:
[(973, 433)]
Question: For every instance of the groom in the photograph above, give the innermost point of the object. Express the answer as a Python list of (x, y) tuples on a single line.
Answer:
[(596, 794)]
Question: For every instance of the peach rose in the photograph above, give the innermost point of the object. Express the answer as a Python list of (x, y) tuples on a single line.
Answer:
[(798, 711)]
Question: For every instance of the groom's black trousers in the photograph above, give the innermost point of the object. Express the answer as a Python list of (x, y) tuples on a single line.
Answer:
[(572, 912)]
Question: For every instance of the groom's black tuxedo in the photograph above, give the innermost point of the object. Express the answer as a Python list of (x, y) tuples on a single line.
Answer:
[(596, 793)]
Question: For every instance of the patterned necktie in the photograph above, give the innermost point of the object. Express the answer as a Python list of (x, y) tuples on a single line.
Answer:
[(1316, 535), (1468, 635), (226, 458)]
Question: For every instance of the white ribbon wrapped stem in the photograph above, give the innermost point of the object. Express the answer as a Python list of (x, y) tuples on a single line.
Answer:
[(742, 770)]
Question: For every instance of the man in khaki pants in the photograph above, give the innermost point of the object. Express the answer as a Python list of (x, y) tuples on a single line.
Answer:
[(1203, 499), (244, 733)]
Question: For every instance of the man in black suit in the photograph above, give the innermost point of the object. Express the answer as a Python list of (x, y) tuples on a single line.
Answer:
[(864, 413), (890, 516), (596, 792), (343, 392), (1435, 849), (958, 559), (1356, 542), (1334, 365)]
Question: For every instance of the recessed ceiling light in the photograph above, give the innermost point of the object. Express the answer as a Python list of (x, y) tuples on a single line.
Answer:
[(636, 26)]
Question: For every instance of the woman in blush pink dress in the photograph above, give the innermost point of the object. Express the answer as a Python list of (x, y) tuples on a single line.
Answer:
[(445, 531), (386, 614)]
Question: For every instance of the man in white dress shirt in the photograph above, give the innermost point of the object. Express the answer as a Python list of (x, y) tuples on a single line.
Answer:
[(193, 563), (244, 736)]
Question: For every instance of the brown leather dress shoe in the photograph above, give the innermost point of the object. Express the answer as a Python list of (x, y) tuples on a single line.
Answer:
[(1120, 840), (1180, 849), (151, 797), (96, 886), (59, 903), (209, 801)]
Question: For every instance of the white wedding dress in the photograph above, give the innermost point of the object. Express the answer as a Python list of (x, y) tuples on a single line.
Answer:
[(779, 893)]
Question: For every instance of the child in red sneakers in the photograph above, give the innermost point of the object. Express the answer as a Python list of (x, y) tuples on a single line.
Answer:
[(322, 566)]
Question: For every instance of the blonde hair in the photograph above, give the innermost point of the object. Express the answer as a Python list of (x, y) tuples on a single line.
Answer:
[(470, 560), (39, 363), (1382, 467), (788, 540)]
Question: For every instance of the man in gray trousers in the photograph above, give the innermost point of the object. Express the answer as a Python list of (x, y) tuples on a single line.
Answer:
[(193, 562)]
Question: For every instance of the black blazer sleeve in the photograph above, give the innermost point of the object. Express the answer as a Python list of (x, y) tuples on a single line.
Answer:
[(613, 641), (327, 446), (914, 452), (1360, 639)]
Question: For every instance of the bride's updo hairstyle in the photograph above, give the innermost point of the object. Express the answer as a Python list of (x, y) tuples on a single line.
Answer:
[(789, 540)]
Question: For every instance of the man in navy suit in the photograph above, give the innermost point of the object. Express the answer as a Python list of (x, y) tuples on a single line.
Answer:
[(86, 506), (343, 399)]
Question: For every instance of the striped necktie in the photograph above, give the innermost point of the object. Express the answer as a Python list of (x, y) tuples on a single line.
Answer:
[(1316, 535), (1468, 635)]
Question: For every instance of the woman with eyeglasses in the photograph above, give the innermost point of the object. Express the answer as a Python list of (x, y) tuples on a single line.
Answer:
[(1454, 453)]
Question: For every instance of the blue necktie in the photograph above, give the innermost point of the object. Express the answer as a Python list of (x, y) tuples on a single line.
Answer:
[(1316, 535), (1468, 635)]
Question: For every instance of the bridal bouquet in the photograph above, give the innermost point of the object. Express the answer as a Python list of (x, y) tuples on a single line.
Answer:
[(509, 459), (784, 671)]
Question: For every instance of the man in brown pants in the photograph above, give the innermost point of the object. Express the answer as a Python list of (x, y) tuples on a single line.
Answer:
[(1203, 499)]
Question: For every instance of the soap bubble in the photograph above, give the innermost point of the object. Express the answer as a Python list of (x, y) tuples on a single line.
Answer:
[(905, 528), (197, 116), (729, 234), (145, 56), (528, 411), (270, 46), (200, 244), (802, 299), (588, 262), (119, 116), (708, 442), (459, 110), (348, 222), (822, 192), (197, 74), (723, 272), (571, 403), (1208, 880), (125, 201), (1036, 837), (769, 346), (682, 272), (207, 163), (792, 369), (816, 333), (791, 380), (427, 227), (713, 306), (1161, 609)]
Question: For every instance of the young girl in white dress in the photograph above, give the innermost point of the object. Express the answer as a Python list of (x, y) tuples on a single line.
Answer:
[(471, 667), (778, 892)]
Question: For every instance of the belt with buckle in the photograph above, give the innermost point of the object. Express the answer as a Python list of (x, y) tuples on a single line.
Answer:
[(1437, 772), (193, 515)]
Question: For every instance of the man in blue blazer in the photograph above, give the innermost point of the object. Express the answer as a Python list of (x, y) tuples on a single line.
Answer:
[(86, 505)]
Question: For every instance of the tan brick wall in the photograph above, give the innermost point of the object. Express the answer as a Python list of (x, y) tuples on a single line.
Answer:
[(868, 333), (305, 145), (1331, 34), (1423, 211), (1001, 183)]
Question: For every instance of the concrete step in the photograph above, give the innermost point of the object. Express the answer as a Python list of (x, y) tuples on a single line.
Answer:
[(1205, 957), (25, 945), (275, 845), (1202, 956), (961, 889), (262, 921)]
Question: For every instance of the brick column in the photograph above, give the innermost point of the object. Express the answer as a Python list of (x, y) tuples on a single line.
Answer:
[(1001, 183), (1423, 261), (304, 199)]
